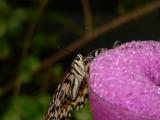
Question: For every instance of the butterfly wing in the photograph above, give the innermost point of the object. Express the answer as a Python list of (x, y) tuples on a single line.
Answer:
[(72, 92), (60, 106)]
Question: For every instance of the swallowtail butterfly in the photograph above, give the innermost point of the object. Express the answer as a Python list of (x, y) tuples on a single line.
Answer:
[(72, 92)]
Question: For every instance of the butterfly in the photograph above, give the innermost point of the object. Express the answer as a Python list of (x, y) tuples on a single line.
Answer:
[(72, 92)]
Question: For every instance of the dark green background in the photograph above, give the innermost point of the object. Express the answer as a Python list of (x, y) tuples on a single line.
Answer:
[(29, 35)]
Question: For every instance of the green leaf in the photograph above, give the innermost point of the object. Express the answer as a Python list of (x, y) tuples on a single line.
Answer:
[(21, 14), (26, 108), (43, 100), (126, 6), (13, 112), (29, 107), (57, 71), (84, 113), (63, 20), (4, 49), (16, 20), (60, 18), (4, 7), (39, 40), (3, 27), (54, 40), (14, 26), (28, 67)]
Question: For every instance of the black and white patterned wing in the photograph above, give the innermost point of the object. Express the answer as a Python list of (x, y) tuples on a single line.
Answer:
[(59, 100), (72, 92), (66, 92)]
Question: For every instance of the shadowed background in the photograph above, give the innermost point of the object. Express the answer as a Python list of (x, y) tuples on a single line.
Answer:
[(39, 39)]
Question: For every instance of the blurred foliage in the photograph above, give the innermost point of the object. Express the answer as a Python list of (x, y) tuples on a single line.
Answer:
[(26, 107), (84, 113), (126, 6), (29, 65), (17, 17)]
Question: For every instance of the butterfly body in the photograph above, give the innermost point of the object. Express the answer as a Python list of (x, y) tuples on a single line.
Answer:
[(72, 92)]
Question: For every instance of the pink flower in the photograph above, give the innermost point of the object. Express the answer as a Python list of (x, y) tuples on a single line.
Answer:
[(124, 82)]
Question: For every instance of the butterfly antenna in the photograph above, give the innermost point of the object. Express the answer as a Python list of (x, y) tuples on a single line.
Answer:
[(117, 43)]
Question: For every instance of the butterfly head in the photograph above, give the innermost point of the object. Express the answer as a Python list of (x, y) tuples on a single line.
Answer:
[(79, 57), (78, 61)]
